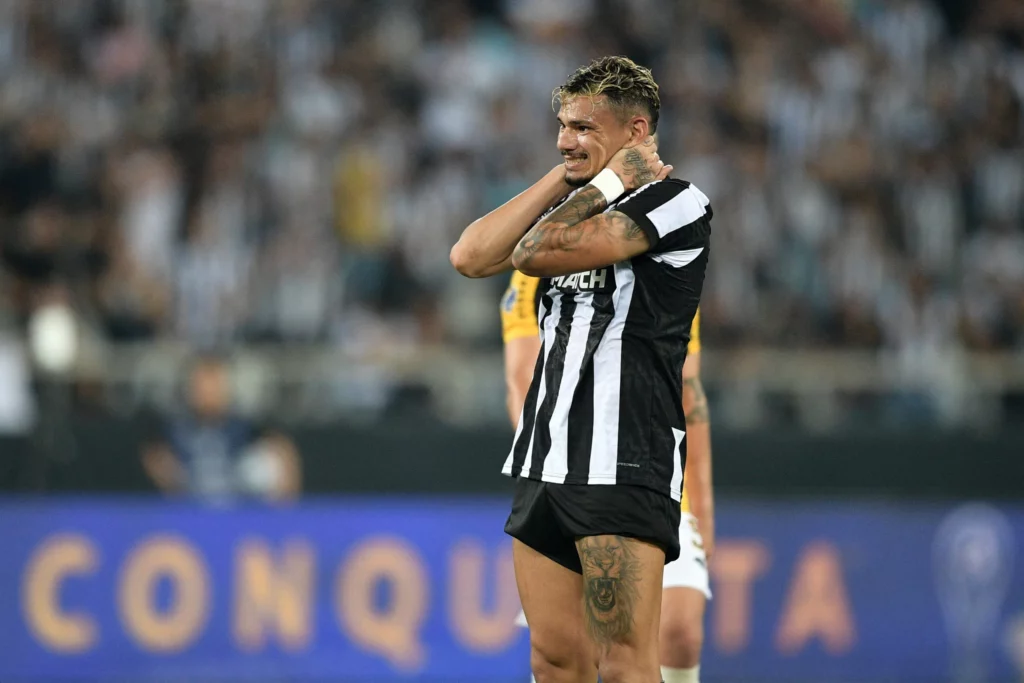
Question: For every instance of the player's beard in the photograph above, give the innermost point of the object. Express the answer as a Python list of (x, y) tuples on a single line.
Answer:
[(579, 179)]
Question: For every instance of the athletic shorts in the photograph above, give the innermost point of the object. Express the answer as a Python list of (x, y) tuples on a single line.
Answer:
[(550, 517), (690, 570)]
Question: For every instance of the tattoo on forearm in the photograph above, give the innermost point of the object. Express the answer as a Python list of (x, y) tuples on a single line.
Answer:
[(611, 578), (577, 221), (561, 231), (698, 412)]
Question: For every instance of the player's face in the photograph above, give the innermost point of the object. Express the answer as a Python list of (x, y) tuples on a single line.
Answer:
[(589, 134)]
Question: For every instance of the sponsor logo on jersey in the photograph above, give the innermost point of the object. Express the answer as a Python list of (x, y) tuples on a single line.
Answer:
[(587, 281)]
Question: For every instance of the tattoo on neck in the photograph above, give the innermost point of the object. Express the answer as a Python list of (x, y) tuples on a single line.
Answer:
[(636, 168)]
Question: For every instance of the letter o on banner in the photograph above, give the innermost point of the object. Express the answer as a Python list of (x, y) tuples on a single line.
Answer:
[(177, 627)]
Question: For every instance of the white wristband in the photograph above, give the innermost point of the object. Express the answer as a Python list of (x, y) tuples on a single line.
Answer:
[(609, 183)]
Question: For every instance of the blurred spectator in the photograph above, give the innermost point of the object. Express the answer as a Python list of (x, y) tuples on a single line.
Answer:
[(209, 452), (231, 142), (218, 171)]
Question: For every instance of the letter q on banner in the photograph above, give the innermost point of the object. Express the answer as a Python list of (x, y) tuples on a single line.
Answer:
[(393, 631)]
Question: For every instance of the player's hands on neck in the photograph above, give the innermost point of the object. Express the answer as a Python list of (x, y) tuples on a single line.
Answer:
[(638, 163)]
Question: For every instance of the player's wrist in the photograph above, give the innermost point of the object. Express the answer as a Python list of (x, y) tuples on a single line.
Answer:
[(609, 184)]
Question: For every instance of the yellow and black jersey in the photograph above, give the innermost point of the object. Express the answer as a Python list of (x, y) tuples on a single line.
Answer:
[(519, 307), (520, 304), (694, 344), (692, 347)]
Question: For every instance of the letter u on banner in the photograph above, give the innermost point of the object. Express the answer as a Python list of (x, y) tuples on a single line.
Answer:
[(471, 566)]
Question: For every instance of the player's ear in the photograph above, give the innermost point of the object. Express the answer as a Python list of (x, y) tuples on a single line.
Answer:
[(639, 131)]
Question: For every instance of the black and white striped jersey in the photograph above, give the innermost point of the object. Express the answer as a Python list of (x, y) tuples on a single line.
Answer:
[(605, 405)]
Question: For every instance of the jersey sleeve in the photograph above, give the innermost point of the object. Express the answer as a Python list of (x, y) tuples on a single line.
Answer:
[(673, 214), (694, 345), (519, 308)]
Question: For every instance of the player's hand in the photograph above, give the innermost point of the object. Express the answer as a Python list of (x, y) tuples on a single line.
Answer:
[(636, 166)]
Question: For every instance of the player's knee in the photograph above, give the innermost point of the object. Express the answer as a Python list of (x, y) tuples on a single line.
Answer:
[(553, 664), (617, 672), (682, 638), (626, 667), (548, 669)]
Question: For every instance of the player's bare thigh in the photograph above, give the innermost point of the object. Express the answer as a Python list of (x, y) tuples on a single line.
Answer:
[(622, 580), (552, 599)]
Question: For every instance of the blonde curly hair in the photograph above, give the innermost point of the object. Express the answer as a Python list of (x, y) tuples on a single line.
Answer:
[(627, 85)]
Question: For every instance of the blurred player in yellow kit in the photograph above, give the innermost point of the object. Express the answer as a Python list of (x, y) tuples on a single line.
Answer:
[(685, 585)]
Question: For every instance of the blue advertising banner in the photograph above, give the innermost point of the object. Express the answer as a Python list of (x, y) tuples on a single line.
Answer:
[(848, 592), (398, 589)]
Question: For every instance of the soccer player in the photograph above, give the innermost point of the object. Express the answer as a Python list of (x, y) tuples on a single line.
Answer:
[(599, 451), (685, 586)]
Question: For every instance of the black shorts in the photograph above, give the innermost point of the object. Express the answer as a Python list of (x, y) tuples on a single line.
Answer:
[(550, 517)]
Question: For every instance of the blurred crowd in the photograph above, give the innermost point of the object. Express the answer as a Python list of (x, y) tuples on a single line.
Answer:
[(219, 171)]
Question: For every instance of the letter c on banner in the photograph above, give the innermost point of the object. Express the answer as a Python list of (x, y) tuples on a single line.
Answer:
[(55, 560), (173, 558), (392, 631)]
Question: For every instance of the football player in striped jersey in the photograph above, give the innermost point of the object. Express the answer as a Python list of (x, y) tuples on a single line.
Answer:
[(685, 584)]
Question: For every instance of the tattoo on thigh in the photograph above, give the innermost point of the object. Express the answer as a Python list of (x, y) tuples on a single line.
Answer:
[(611, 577)]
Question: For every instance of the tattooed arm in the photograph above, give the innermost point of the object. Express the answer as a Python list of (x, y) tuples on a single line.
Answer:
[(578, 236), (698, 451), (485, 247)]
